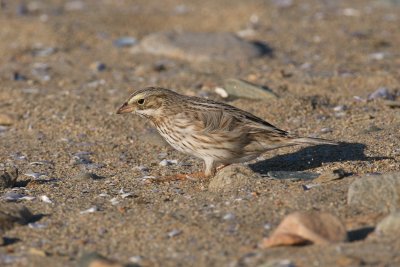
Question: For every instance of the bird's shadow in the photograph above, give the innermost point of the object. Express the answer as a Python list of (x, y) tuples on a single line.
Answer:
[(314, 156)]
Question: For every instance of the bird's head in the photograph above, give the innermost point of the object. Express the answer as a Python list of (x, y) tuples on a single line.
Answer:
[(147, 102)]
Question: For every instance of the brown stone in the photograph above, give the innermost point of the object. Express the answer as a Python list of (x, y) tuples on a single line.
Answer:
[(307, 227)]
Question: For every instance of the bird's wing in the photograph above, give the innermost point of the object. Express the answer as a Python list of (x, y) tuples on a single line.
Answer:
[(219, 116), (216, 120)]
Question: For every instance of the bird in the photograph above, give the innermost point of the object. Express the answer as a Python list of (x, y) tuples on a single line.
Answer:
[(216, 132)]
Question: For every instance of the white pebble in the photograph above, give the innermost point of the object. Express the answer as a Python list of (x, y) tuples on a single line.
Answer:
[(90, 210), (221, 92), (125, 195), (114, 201), (174, 233), (229, 216), (37, 225), (45, 199), (167, 162)]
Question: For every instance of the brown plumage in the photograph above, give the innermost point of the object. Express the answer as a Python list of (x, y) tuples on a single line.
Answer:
[(216, 132)]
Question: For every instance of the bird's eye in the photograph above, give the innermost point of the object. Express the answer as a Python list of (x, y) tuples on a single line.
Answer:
[(140, 101)]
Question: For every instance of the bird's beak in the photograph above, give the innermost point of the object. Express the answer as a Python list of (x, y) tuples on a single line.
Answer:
[(125, 108)]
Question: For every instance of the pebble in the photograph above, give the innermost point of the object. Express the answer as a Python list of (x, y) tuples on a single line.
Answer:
[(36, 175), (244, 89), (12, 196), (10, 259), (41, 71), (351, 12), (167, 162), (37, 225), (8, 175), (3, 129), (326, 130), (114, 201), (125, 42), (310, 186), (30, 90), (340, 108), (37, 252), (200, 47), (6, 120), (136, 259), (377, 56), (282, 3), (380, 193), (90, 210), (126, 195), (174, 233), (371, 129), (45, 199), (292, 176), (142, 168), (307, 226), (74, 5), (96, 260), (11, 214), (229, 216), (98, 66), (43, 52), (389, 226), (221, 92), (381, 92), (235, 177)]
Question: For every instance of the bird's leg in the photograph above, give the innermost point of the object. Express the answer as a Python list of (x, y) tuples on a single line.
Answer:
[(210, 168), (209, 171)]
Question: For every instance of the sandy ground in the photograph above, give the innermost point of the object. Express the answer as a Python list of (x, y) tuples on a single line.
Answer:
[(323, 54)]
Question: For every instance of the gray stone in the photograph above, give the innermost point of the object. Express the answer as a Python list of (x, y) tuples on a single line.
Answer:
[(390, 225), (240, 88), (125, 41), (232, 178), (199, 47), (8, 176), (379, 193)]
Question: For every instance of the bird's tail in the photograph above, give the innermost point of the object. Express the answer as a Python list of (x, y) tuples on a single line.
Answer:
[(312, 141)]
